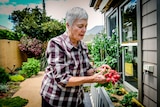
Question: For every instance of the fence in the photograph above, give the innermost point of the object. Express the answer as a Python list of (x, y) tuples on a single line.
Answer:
[(10, 55)]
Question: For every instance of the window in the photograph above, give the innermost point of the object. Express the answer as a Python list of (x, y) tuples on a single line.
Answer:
[(130, 65), (123, 20), (112, 22), (128, 37), (112, 25)]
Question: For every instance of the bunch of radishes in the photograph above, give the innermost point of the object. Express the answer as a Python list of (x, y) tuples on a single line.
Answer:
[(112, 76)]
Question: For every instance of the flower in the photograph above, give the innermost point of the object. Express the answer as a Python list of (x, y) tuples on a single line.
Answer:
[(31, 46)]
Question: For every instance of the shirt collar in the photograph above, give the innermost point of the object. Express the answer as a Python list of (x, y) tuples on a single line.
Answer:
[(69, 45)]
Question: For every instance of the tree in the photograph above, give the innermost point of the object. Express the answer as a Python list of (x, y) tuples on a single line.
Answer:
[(34, 23)]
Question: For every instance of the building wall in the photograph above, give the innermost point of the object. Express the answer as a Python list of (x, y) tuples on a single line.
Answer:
[(149, 51), (149, 34)]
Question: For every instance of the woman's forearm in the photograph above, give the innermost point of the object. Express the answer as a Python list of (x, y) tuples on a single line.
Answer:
[(76, 81)]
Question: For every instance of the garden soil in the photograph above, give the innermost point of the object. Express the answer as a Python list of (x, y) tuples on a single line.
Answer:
[(30, 90)]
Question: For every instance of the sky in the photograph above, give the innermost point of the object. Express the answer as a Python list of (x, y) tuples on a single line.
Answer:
[(54, 8)]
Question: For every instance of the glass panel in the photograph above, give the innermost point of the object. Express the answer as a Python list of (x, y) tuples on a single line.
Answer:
[(112, 30), (130, 59), (129, 22), (112, 23)]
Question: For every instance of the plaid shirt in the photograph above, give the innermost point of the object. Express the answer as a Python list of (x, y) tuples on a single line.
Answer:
[(64, 61)]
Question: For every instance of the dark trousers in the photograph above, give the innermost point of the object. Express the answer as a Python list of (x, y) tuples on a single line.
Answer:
[(46, 104)]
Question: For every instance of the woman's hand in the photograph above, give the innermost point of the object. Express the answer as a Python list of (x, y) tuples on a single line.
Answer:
[(99, 78), (103, 68), (106, 66)]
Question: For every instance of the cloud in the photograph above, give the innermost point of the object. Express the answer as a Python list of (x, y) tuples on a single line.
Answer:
[(8, 9), (32, 5), (4, 1)]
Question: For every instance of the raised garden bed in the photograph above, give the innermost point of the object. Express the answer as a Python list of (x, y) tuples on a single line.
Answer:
[(105, 98)]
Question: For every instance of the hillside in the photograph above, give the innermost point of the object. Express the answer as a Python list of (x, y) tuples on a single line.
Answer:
[(90, 34)]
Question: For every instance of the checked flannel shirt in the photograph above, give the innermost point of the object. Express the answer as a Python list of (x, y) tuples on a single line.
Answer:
[(64, 60)]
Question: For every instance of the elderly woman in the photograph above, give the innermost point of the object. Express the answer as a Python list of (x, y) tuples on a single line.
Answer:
[(69, 65)]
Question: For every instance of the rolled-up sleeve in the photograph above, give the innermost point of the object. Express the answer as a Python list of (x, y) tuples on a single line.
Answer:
[(57, 66)]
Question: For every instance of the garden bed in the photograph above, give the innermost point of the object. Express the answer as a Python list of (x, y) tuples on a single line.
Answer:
[(103, 97), (13, 87), (6, 97)]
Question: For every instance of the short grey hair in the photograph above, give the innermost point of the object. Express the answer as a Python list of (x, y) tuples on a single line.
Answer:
[(75, 13)]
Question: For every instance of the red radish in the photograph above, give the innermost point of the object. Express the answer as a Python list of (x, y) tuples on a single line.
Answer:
[(108, 79), (112, 76), (106, 75)]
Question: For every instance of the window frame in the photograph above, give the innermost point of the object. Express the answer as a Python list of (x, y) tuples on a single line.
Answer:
[(108, 22), (126, 84)]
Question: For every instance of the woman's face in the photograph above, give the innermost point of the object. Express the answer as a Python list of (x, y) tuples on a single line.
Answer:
[(77, 30)]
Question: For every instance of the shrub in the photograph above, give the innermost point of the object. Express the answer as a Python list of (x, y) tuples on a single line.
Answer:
[(16, 78), (4, 76), (3, 88), (29, 68), (106, 50), (13, 102), (10, 35), (31, 46), (89, 45)]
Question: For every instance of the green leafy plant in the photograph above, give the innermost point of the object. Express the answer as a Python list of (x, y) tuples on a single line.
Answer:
[(114, 99), (106, 50), (121, 98), (4, 76), (36, 24), (16, 78), (89, 45), (128, 57), (127, 99), (13, 102), (86, 88), (116, 89), (29, 68), (10, 35)]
